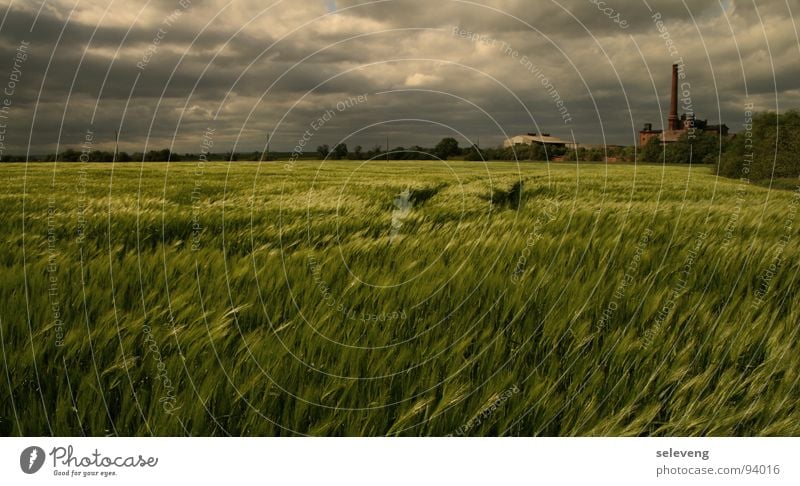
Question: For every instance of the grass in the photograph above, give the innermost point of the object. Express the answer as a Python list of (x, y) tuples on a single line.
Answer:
[(505, 300)]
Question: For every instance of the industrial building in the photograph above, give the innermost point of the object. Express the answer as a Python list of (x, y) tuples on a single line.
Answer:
[(538, 139), (678, 126)]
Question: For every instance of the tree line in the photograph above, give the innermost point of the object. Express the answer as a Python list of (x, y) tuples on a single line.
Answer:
[(448, 148), (163, 155), (764, 150), (699, 148)]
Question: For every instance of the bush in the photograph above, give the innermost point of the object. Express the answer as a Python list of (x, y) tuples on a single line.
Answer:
[(704, 148), (768, 151)]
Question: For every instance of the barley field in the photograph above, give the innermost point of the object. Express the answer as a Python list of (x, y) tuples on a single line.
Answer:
[(407, 298)]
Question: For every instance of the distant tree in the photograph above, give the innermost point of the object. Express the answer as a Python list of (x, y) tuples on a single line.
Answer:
[(448, 147), (707, 147), (557, 151), (628, 154), (162, 155), (340, 151), (474, 153), (401, 153), (323, 151), (100, 156), (420, 153), (767, 152), (595, 154), (537, 152), (701, 148), (70, 155), (357, 153), (653, 151), (374, 152)]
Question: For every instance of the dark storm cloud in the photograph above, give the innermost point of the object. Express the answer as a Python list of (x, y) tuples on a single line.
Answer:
[(231, 60), (566, 16)]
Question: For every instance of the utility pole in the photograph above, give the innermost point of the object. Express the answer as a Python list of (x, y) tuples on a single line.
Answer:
[(387, 148)]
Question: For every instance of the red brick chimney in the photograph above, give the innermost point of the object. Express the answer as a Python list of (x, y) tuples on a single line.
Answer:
[(673, 122)]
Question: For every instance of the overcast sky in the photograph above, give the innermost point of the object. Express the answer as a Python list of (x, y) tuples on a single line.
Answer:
[(166, 72)]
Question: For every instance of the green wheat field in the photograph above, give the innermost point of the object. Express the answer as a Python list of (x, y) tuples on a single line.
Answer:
[(407, 298)]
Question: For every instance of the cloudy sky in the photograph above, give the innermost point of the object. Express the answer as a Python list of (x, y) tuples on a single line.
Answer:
[(166, 72)]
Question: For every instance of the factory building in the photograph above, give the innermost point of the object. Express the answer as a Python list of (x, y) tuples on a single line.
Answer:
[(544, 139), (678, 126)]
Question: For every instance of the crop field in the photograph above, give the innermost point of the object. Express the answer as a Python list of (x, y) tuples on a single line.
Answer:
[(404, 298)]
